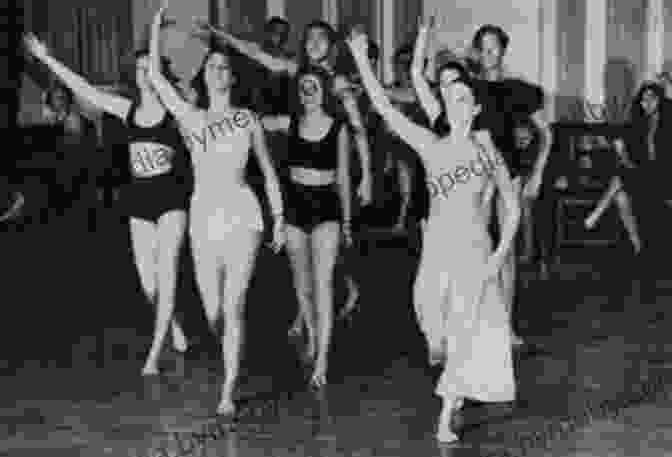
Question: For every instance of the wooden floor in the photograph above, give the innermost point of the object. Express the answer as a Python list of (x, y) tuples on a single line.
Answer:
[(75, 331)]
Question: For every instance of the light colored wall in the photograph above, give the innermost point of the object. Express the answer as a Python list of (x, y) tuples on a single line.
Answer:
[(519, 18)]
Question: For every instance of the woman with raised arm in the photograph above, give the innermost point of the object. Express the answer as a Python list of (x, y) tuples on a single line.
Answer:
[(458, 299), (158, 195), (318, 198), (225, 220), (317, 48)]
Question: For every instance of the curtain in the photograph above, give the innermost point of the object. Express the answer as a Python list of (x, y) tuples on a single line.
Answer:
[(299, 14), (247, 18), (356, 12), (406, 14), (91, 37), (626, 40)]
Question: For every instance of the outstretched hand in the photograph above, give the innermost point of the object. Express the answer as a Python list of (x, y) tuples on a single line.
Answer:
[(201, 29), (34, 46), (358, 42)]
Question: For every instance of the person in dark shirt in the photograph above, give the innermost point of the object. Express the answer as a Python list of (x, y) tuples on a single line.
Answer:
[(505, 99)]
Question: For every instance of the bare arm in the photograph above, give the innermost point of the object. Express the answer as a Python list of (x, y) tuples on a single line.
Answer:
[(429, 104), (546, 141), (502, 179), (191, 119), (417, 137), (276, 123), (254, 52), (405, 179), (113, 104), (361, 142), (343, 173), (271, 177)]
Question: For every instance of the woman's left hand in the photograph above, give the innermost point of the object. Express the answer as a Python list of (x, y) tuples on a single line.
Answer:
[(278, 236), (347, 234)]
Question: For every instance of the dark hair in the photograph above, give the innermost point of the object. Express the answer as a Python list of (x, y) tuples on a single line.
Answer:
[(489, 29), (330, 102), (331, 38), (407, 48), (637, 113), (238, 97), (57, 86), (277, 20), (441, 127), (128, 72)]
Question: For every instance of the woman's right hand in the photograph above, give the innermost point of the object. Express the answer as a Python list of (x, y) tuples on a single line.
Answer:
[(201, 29), (35, 47)]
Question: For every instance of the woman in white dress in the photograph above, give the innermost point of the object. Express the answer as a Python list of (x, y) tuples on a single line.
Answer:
[(458, 297)]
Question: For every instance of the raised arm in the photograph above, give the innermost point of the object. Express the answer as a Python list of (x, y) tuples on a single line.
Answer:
[(271, 177), (112, 104), (502, 179), (417, 137), (203, 30), (186, 114), (427, 100)]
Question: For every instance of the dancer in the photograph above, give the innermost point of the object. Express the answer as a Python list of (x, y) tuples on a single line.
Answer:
[(157, 198), (226, 223), (318, 196), (507, 98), (317, 48), (457, 297)]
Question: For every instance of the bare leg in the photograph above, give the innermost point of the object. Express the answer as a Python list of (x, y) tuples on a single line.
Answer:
[(144, 240), (509, 268), (207, 270), (241, 252), (170, 230), (429, 292), (604, 202), (353, 297), (298, 250), (625, 210), (325, 241), (447, 419)]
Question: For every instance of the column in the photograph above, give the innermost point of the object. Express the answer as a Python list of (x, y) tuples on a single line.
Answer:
[(275, 8), (386, 38), (655, 38), (330, 12), (548, 58), (595, 56)]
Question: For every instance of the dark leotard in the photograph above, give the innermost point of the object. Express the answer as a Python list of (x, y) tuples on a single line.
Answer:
[(161, 176), (309, 206)]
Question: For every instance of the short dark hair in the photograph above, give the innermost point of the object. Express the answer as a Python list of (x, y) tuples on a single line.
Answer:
[(489, 29)]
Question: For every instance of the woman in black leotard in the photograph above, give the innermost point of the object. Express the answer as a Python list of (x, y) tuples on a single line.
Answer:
[(157, 198), (318, 201)]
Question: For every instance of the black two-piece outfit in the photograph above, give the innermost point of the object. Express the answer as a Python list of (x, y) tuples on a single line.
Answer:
[(307, 207), (160, 167)]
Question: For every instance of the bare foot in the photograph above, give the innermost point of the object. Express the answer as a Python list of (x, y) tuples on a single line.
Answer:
[(517, 341), (226, 407), (319, 377), (179, 339), (297, 327), (150, 369), (450, 422)]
